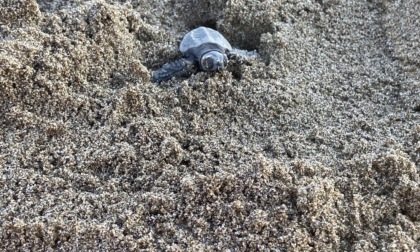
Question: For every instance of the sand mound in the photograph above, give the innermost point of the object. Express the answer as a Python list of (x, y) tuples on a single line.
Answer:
[(316, 146)]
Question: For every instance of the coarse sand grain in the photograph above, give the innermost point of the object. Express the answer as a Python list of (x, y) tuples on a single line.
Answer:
[(313, 147)]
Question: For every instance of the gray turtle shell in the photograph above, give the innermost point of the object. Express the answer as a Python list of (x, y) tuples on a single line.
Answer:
[(201, 36)]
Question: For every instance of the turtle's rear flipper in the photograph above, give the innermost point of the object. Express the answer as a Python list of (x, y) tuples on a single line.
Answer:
[(242, 55), (182, 67)]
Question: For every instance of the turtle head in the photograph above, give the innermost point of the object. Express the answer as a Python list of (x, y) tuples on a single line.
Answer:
[(213, 61)]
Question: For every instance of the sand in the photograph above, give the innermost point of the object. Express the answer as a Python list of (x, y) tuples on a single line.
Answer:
[(315, 146)]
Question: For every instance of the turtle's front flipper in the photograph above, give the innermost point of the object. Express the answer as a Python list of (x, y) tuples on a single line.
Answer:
[(242, 55), (181, 67)]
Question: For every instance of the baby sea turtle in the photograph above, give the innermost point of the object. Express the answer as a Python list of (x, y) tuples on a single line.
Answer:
[(202, 49)]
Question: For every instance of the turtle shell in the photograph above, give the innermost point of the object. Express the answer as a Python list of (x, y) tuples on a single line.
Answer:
[(203, 35)]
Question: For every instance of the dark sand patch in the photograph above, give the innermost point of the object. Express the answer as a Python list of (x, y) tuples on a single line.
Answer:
[(315, 147)]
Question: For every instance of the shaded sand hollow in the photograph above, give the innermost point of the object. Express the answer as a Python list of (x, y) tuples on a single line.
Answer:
[(313, 147)]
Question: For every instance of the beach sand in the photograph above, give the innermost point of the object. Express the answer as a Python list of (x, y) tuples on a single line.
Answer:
[(315, 146)]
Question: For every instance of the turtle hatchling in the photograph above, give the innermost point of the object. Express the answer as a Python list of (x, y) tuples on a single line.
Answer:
[(202, 49)]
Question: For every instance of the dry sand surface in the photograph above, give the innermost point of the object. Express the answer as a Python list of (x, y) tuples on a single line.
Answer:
[(313, 147)]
